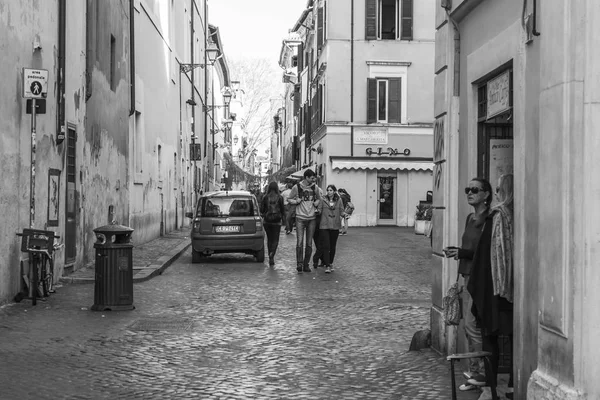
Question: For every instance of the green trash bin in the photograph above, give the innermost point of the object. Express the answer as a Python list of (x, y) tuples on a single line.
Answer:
[(113, 284)]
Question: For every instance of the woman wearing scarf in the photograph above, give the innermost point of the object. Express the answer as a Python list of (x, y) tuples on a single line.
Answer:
[(491, 284), (332, 210)]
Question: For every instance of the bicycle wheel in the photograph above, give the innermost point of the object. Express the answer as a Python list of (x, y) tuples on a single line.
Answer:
[(46, 276)]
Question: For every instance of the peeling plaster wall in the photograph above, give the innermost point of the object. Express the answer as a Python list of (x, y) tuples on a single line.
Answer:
[(102, 169), (22, 23)]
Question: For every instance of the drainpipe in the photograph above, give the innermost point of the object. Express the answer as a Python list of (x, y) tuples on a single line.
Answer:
[(352, 78), (205, 82), (193, 88), (62, 22), (131, 57), (456, 55)]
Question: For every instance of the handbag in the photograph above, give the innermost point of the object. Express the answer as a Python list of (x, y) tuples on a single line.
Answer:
[(452, 305)]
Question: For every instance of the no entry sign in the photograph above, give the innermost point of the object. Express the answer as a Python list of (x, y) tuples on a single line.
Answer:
[(35, 83)]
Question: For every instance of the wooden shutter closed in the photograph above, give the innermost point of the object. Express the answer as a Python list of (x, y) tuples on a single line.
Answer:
[(300, 59), (296, 98), (394, 86), (320, 28), (300, 122), (406, 30), (371, 100), (370, 19)]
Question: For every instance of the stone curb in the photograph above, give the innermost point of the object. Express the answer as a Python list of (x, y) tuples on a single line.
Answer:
[(154, 269)]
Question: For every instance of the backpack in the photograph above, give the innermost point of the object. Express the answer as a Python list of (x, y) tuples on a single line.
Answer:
[(273, 213)]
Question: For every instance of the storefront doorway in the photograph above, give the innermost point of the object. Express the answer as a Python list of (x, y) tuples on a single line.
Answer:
[(386, 209)]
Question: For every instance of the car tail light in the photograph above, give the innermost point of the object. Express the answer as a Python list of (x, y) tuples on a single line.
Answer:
[(196, 226), (259, 225)]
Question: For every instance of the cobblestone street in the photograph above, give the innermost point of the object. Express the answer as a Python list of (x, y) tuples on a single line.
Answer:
[(232, 328)]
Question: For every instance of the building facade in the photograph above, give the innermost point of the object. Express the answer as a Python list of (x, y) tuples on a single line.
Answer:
[(365, 102), (114, 128), (515, 93)]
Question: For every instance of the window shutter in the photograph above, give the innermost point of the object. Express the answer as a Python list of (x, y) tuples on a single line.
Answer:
[(320, 28), (371, 19), (394, 86), (406, 31), (301, 122), (300, 59), (371, 100), (296, 98)]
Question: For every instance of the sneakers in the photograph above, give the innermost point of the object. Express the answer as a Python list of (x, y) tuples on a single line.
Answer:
[(271, 261), (328, 269), (477, 380), (306, 269), (288, 232)]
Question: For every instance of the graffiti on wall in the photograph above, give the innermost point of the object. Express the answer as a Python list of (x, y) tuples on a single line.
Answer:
[(438, 170), (438, 139)]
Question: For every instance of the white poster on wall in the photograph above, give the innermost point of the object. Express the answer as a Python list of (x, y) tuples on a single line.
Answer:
[(501, 159), (371, 135)]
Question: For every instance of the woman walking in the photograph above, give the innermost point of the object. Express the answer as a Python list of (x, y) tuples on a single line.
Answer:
[(492, 278), (332, 209), (272, 210), (479, 196)]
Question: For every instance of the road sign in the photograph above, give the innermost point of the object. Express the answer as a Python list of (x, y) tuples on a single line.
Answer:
[(35, 83)]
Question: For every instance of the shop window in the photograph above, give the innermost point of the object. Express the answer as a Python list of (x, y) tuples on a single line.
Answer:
[(389, 19), (383, 100)]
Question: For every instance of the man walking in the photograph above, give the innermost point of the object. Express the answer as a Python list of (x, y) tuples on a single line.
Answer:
[(306, 196), (290, 209)]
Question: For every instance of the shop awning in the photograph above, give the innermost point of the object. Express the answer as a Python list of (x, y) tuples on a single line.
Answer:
[(298, 174), (383, 164)]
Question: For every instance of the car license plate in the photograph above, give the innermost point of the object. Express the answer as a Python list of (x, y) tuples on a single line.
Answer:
[(227, 229)]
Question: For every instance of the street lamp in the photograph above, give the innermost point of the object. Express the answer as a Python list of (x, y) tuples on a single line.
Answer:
[(226, 92), (212, 54)]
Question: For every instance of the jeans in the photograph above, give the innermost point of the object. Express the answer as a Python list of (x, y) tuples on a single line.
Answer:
[(328, 244), (304, 226), (344, 224), (472, 331), (272, 231), (490, 343)]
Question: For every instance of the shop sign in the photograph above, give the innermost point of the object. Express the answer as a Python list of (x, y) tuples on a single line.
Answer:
[(501, 159), (371, 135), (390, 152), (498, 95)]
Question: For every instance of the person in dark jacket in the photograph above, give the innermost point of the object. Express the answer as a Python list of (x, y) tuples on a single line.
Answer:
[(479, 196), (491, 284), (272, 210)]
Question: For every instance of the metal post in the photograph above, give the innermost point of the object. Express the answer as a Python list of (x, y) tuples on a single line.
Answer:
[(32, 170)]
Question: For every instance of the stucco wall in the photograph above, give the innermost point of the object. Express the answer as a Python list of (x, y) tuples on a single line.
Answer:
[(22, 24)]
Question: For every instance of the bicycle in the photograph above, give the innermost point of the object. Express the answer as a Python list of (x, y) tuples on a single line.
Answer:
[(41, 247)]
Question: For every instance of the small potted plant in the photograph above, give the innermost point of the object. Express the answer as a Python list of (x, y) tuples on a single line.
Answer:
[(423, 218)]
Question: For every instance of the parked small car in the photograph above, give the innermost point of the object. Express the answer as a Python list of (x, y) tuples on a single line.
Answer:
[(227, 222)]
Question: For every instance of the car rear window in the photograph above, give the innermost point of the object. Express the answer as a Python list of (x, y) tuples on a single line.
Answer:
[(226, 206)]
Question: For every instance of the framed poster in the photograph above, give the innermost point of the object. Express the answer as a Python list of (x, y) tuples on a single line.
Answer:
[(501, 159), (53, 196)]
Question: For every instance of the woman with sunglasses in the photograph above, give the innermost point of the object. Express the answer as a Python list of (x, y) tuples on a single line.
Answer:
[(492, 279), (332, 210), (479, 196)]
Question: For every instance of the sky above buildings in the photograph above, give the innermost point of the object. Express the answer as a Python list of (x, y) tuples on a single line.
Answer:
[(254, 28)]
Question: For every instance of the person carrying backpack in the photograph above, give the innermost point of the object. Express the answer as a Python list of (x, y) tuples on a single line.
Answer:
[(306, 195), (271, 209)]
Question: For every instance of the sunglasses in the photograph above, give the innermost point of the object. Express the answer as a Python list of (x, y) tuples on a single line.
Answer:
[(474, 190)]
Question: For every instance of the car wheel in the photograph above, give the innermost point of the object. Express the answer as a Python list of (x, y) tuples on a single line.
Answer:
[(260, 255), (197, 257)]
